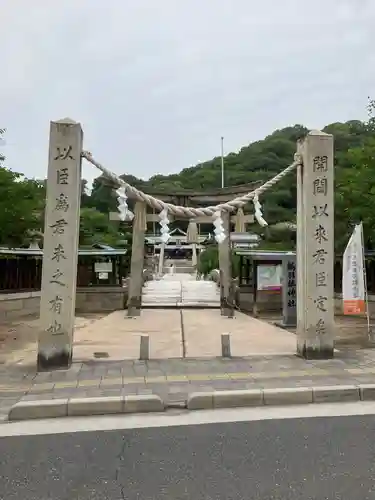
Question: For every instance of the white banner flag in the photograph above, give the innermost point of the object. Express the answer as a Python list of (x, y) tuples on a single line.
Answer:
[(353, 283)]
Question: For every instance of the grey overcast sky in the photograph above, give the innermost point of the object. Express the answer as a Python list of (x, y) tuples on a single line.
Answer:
[(155, 83)]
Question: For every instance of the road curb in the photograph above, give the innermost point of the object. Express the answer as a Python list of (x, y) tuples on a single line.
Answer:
[(27, 410), (281, 396), (54, 408)]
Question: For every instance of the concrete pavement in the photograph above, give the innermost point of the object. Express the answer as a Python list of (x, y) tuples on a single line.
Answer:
[(173, 333), (248, 336), (174, 380), (185, 351)]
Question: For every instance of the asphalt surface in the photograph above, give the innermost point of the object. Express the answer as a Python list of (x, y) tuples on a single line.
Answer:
[(308, 458)]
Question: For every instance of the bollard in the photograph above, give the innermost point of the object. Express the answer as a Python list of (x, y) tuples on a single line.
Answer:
[(144, 351), (225, 345)]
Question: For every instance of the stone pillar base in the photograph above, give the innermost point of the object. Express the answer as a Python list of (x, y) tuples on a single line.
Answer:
[(226, 309), (286, 324), (324, 352), (58, 361), (134, 306), (133, 312)]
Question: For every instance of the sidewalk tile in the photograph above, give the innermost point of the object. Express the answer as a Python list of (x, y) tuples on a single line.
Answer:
[(222, 376), (88, 383), (12, 392), (356, 371), (66, 385), (112, 387), (239, 376), (133, 380), (194, 377), (37, 397), (132, 388), (66, 391), (111, 381), (177, 378), (155, 373), (155, 379), (156, 388), (37, 390)]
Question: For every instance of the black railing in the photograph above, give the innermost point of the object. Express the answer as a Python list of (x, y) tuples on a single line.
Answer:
[(20, 273)]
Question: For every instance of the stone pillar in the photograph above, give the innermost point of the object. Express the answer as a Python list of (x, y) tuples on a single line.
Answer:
[(225, 345), (60, 247), (289, 291), (194, 256), (144, 349), (315, 247), (137, 260), (300, 254), (225, 264), (240, 221), (192, 238), (161, 259)]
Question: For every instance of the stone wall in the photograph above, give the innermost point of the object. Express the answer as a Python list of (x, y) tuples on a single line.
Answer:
[(14, 306), (90, 300), (266, 301), (19, 305)]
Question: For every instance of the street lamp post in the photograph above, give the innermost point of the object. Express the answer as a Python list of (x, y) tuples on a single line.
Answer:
[(222, 162)]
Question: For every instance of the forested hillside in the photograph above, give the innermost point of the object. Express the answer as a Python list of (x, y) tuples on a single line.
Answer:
[(354, 170)]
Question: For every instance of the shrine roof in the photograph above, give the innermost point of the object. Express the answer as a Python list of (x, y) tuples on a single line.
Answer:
[(264, 254), (241, 188), (81, 251)]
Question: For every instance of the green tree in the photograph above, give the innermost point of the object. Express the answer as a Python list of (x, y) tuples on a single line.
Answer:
[(85, 196), (355, 182), (209, 260), (103, 196), (95, 227), (22, 200), (261, 160), (21, 203), (355, 195), (2, 157)]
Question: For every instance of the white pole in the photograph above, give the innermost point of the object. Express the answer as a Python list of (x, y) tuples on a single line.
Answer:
[(222, 162), (365, 284)]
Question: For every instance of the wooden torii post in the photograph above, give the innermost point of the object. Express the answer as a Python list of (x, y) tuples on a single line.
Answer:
[(141, 218), (225, 261)]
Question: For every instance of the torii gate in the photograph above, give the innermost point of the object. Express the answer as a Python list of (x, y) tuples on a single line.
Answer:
[(187, 198), (315, 243)]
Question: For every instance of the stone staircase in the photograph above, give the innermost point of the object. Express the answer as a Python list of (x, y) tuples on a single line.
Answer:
[(180, 290), (178, 266), (200, 294)]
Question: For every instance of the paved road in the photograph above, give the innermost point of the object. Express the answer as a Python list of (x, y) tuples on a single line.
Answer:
[(304, 458)]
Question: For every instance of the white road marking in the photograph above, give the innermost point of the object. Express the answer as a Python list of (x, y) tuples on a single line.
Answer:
[(182, 418)]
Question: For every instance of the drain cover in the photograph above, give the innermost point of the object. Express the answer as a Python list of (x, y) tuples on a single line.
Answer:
[(101, 355)]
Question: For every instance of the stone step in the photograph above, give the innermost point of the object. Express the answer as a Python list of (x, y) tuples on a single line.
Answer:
[(180, 290), (202, 305)]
